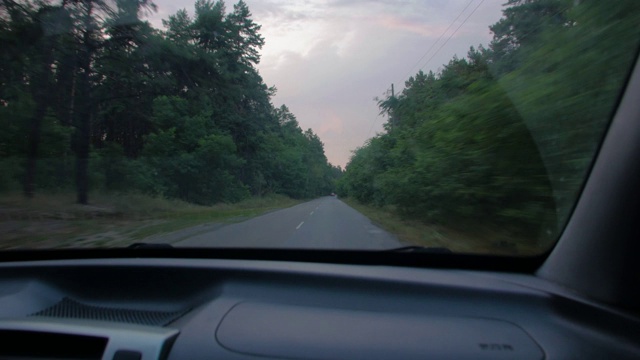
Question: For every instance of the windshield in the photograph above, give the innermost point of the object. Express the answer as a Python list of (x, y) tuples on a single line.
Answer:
[(456, 126)]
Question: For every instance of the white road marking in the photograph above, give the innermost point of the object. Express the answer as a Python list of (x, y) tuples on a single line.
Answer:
[(298, 227), (311, 213)]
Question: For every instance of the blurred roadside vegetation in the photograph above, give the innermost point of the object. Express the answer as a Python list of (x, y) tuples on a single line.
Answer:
[(477, 239), (503, 138)]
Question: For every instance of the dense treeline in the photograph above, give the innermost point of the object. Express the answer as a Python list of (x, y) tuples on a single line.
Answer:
[(504, 137), (93, 97)]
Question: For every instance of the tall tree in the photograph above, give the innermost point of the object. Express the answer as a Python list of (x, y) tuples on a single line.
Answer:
[(91, 15)]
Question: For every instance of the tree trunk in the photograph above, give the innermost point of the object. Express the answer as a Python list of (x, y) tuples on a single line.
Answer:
[(40, 92), (82, 118), (82, 115), (32, 151)]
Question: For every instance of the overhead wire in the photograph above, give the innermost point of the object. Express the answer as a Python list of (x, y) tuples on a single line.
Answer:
[(372, 123), (449, 38), (437, 41), (452, 34)]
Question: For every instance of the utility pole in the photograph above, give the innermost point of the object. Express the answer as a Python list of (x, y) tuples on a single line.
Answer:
[(392, 92)]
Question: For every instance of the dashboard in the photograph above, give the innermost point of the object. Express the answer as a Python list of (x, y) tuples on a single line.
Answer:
[(152, 308)]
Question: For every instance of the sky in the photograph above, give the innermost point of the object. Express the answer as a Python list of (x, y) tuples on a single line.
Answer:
[(330, 59)]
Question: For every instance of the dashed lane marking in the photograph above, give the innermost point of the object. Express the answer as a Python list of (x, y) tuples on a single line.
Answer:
[(298, 227)]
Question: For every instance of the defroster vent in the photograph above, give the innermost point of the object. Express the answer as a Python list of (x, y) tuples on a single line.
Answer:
[(70, 309)]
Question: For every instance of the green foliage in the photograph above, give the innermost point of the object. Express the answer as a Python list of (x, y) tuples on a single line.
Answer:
[(181, 113), (10, 171), (504, 137), (55, 161)]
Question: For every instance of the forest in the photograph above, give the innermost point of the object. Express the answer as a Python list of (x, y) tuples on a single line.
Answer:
[(93, 98), (503, 138)]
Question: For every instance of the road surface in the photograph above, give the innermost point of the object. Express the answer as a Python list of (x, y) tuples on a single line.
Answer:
[(324, 223)]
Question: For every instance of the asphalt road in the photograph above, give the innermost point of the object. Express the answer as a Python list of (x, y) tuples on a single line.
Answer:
[(324, 223)]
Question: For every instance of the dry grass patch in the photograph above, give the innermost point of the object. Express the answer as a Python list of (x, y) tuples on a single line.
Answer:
[(481, 240), (55, 220)]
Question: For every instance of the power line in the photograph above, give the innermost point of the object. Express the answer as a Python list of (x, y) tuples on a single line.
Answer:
[(440, 48), (541, 25), (372, 123), (449, 38), (437, 41)]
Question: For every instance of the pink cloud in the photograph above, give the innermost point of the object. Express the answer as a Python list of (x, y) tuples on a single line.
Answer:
[(413, 26), (332, 124)]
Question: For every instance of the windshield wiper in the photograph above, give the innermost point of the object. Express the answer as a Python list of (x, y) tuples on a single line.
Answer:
[(142, 245), (421, 249)]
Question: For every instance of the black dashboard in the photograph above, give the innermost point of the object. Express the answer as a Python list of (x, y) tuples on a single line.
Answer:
[(146, 308)]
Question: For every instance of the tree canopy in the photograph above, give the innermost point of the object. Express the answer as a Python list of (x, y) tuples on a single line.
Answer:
[(93, 97)]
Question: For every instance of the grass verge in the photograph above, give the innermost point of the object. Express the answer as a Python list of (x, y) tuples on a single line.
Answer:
[(413, 232), (112, 220)]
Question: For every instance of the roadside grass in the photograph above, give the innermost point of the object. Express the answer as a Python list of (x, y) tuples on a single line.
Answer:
[(481, 240), (112, 220)]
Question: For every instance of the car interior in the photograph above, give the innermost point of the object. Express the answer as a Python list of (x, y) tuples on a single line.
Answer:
[(580, 300)]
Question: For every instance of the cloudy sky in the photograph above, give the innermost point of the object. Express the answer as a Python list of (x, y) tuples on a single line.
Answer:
[(329, 59)]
